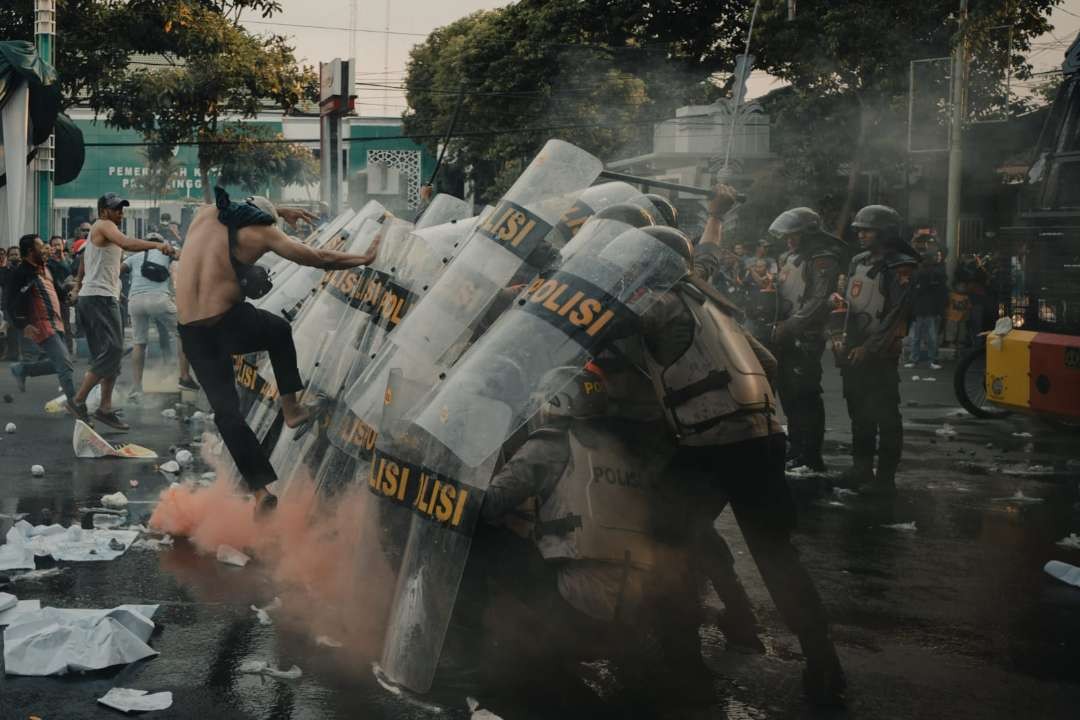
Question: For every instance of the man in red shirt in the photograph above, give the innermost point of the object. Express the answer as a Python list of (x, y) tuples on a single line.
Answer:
[(34, 301)]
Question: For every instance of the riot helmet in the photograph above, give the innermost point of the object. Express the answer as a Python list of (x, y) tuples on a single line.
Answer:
[(674, 239), (661, 209), (880, 218), (628, 213), (571, 393), (796, 220)]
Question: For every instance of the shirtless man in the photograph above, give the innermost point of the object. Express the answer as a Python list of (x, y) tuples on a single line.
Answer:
[(215, 323)]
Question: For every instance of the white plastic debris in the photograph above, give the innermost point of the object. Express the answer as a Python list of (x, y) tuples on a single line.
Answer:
[(263, 613), (9, 428), (1064, 572), (1022, 435), (52, 641), (232, 556), (184, 457), (1027, 470), (7, 601), (906, 527), (88, 444), (37, 470), (477, 712), (946, 431), (840, 492), (261, 667), (127, 700), (1019, 497), (20, 608), (172, 467), (915, 378), (168, 414), (36, 575), (116, 501), (326, 641), (1072, 541), (155, 544), (198, 415)]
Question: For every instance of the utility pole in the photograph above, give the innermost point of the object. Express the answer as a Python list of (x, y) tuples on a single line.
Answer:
[(956, 140), (44, 34)]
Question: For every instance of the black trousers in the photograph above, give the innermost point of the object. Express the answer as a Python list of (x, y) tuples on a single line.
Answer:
[(209, 348), (799, 385), (750, 474), (872, 392)]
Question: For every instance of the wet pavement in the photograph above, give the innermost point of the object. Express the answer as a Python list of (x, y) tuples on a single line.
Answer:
[(953, 619)]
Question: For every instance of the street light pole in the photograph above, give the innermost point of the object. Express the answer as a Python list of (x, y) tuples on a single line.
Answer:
[(44, 34), (956, 144)]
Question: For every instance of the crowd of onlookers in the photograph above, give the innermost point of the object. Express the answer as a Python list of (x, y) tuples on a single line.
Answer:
[(145, 302), (945, 312)]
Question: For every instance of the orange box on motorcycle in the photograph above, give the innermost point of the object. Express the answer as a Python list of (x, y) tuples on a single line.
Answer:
[(1055, 374), (1007, 365)]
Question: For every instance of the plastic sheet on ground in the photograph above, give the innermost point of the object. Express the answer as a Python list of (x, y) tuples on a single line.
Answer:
[(905, 527), (88, 444), (72, 544), (1066, 573), (1072, 541), (16, 553), (22, 607), (128, 700), (52, 641)]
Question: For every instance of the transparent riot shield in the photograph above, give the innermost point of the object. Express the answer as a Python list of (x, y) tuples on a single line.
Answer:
[(435, 461), (443, 209), (313, 328), (409, 269), (512, 241), (590, 202)]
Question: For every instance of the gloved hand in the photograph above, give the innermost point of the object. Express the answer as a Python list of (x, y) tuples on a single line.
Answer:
[(723, 199)]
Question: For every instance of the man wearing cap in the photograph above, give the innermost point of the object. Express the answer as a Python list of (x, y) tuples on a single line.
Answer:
[(223, 243), (98, 290)]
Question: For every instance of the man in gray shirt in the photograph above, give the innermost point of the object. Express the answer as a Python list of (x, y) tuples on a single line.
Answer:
[(99, 305)]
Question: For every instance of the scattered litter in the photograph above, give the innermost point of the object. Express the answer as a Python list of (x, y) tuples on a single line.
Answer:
[(1026, 470), (36, 575), (9, 428), (843, 492), (116, 501), (1064, 572), (946, 431), (88, 444), (127, 700), (52, 641), (478, 713), (168, 414), (325, 641), (1072, 542), (73, 544), (37, 470), (260, 667), (915, 378), (133, 483), (263, 613), (907, 527), (232, 556), (1022, 435), (16, 554), (172, 467), (958, 413), (184, 457), (803, 471), (1019, 497), (153, 543), (20, 608)]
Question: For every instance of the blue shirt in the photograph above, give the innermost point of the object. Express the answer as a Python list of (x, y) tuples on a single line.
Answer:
[(141, 285)]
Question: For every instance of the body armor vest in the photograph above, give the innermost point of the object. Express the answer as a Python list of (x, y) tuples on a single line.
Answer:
[(792, 284), (865, 299), (605, 506), (718, 376)]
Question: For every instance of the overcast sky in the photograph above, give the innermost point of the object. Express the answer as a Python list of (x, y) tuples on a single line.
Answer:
[(381, 58)]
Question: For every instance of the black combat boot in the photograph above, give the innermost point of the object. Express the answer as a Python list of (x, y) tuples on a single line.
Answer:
[(883, 484), (823, 678), (859, 474)]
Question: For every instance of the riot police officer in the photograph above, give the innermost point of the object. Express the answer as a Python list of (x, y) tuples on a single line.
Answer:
[(588, 490), (807, 277), (879, 303), (710, 377)]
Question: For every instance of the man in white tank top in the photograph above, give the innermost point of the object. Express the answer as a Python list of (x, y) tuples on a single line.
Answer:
[(98, 290)]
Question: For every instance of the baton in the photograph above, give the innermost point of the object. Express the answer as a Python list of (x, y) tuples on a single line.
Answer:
[(647, 183)]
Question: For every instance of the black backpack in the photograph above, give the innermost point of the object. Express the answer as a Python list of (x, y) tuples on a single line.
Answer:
[(155, 272)]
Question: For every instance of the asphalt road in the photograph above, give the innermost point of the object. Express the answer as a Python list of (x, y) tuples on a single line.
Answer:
[(954, 619)]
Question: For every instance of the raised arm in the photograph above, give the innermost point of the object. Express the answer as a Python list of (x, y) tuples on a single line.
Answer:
[(301, 254), (113, 235)]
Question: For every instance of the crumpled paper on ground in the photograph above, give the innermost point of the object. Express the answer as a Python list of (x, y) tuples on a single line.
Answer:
[(52, 641), (73, 544), (1064, 572), (16, 553), (88, 444), (261, 667), (128, 700)]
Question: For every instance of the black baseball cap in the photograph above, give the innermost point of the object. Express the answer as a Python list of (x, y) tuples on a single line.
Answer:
[(111, 201)]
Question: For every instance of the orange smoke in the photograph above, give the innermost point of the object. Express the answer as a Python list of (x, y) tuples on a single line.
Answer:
[(322, 559)]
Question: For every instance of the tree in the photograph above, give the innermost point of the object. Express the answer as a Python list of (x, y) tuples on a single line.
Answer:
[(162, 169), (212, 69), (253, 157)]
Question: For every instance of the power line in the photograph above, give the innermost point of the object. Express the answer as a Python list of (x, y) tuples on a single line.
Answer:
[(372, 31)]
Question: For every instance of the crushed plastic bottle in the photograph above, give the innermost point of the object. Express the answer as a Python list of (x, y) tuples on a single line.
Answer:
[(37, 470)]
